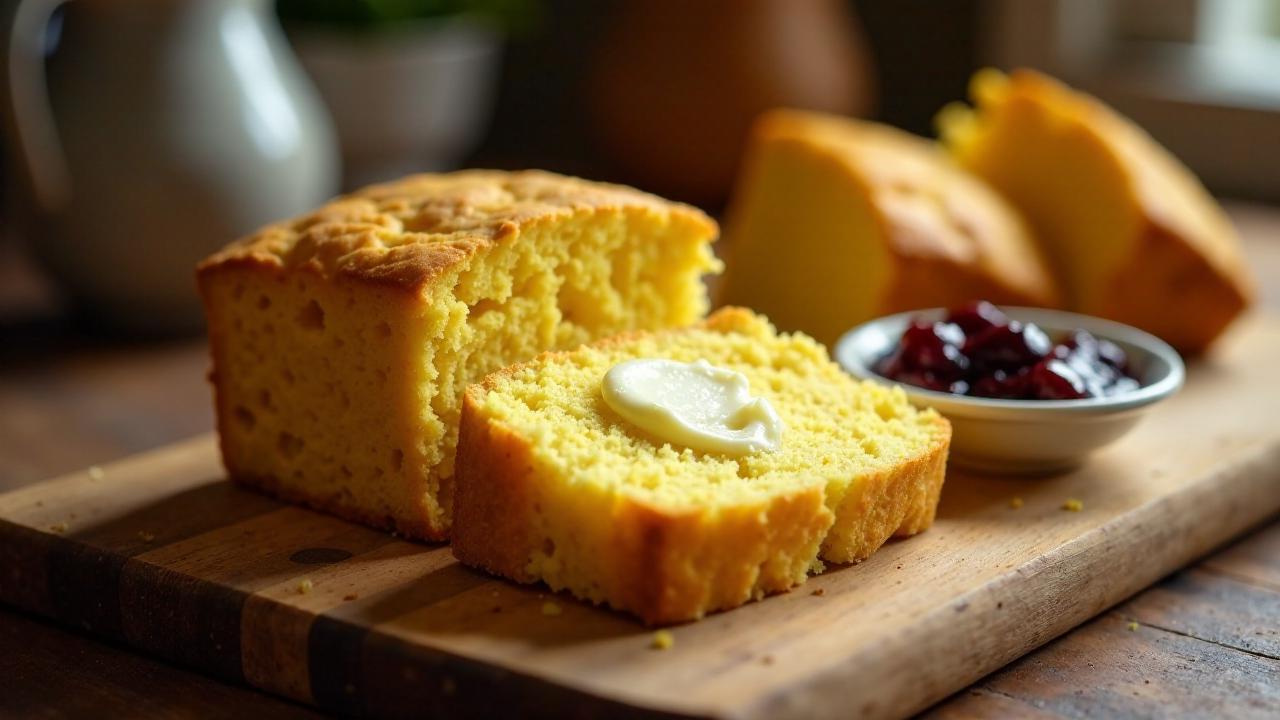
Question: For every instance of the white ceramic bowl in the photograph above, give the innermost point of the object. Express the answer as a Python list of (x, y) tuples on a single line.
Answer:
[(1028, 436)]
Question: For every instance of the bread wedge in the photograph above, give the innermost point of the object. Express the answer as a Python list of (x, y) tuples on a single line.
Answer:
[(553, 486), (1131, 232)]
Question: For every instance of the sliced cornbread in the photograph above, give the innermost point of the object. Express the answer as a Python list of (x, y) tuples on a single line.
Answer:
[(342, 340), (836, 221), (1134, 236), (552, 485)]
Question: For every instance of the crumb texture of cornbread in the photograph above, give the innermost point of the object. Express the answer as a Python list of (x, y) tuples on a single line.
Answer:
[(553, 486), (342, 340), (1133, 234), (836, 221)]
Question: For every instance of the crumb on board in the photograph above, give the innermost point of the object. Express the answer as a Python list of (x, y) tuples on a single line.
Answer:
[(1015, 502), (766, 659), (350, 596), (550, 608), (819, 592), (95, 472), (59, 528), (1133, 626), (1073, 505), (305, 586), (146, 537), (662, 640)]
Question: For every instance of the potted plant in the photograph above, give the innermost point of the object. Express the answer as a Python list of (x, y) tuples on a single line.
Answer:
[(410, 83)]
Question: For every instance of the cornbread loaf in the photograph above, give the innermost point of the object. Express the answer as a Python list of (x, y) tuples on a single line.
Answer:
[(836, 221), (1134, 236), (342, 340), (552, 485)]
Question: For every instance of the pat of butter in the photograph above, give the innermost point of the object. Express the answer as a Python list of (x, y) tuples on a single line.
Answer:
[(697, 405)]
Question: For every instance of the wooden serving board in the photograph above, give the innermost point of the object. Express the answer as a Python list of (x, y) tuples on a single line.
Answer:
[(162, 553)]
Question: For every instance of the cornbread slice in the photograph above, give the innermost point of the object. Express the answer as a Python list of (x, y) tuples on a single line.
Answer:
[(1133, 234), (342, 340), (552, 485), (836, 221)]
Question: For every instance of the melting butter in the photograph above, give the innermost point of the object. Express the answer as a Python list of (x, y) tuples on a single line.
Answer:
[(697, 405)]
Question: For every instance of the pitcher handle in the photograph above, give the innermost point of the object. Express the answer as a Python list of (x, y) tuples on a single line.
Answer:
[(28, 116)]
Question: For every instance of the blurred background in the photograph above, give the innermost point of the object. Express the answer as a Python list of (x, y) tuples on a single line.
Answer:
[(141, 135)]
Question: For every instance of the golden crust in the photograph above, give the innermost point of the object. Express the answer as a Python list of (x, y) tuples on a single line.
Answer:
[(495, 508), (409, 231), (898, 502), (1165, 265), (491, 526)]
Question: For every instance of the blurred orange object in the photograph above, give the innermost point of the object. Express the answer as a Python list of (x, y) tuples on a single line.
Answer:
[(679, 83)]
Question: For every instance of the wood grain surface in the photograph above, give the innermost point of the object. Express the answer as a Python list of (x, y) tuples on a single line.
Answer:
[(1203, 643), (161, 553)]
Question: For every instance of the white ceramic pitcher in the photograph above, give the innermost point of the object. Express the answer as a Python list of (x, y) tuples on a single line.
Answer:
[(165, 129)]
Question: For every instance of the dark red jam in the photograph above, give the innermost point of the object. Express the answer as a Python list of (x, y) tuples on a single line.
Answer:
[(977, 350)]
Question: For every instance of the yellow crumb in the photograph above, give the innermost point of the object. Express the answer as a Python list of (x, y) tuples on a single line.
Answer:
[(1132, 626), (1073, 505), (145, 536), (550, 608), (58, 527), (1015, 502), (95, 472), (305, 586), (663, 640), (819, 592)]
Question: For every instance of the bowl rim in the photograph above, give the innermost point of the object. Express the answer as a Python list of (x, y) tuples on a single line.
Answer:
[(847, 354)]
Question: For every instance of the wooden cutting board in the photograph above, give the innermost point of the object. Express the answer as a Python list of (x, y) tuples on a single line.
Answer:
[(162, 553)]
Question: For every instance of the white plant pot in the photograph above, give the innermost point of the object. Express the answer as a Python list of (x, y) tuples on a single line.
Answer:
[(408, 99)]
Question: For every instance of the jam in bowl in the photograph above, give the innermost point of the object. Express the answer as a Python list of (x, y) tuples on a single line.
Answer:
[(1027, 391), (978, 350)]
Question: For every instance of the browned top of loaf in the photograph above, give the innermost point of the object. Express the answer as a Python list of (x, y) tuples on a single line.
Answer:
[(408, 231)]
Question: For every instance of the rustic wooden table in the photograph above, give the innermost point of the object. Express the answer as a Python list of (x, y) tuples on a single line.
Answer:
[(1204, 642)]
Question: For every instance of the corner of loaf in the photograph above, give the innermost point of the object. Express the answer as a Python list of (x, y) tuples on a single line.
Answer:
[(342, 340)]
